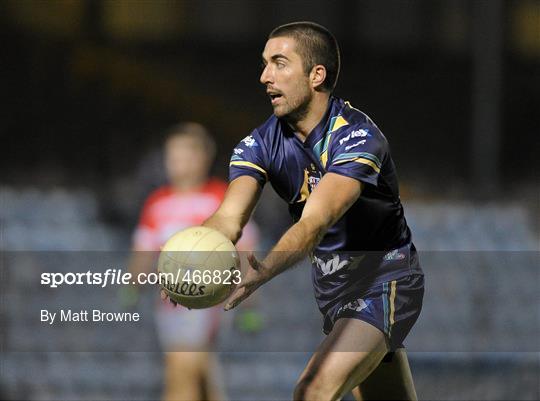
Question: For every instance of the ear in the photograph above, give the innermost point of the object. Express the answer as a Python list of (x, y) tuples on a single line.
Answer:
[(317, 76)]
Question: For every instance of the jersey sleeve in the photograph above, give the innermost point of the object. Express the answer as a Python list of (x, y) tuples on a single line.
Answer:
[(358, 152), (248, 159)]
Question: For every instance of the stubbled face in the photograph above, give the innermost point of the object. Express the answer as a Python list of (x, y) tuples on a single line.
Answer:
[(286, 82), (186, 158)]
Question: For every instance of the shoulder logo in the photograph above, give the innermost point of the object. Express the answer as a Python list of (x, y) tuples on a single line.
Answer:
[(237, 154), (363, 141), (361, 133), (249, 141)]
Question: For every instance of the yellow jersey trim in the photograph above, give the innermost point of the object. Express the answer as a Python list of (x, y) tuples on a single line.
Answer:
[(304, 191), (338, 123), (392, 301), (368, 162), (249, 164)]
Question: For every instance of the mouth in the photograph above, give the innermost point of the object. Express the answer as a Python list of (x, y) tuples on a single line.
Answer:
[(274, 97)]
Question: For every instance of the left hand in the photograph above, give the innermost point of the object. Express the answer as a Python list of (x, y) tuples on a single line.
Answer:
[(253, 279)]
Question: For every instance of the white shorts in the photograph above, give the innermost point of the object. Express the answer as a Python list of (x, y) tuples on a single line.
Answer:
[(181, 328)]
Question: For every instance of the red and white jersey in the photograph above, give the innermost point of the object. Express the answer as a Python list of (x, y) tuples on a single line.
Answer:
[(167, 211)]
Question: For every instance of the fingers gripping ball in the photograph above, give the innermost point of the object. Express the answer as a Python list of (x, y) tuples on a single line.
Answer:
[(199, 267)]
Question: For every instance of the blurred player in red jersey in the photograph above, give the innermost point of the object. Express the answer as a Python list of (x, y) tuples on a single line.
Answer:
[(191, 372)]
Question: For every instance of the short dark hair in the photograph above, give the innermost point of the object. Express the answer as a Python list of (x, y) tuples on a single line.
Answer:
[(316, 45)]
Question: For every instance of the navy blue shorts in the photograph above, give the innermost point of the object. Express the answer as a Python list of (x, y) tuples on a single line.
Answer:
[(392, 307)]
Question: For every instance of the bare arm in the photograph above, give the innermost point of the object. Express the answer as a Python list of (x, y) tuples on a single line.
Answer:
[(235, 210), (332, 197)]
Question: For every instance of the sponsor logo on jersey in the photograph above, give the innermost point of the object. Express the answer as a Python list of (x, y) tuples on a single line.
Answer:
[(331, 265), (394, 255), (238, 151), (249, 141), (361, 133), (363, 141), (356, 305)]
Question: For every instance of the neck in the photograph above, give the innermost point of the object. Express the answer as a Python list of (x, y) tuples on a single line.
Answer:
[(315, 113), (189, 184)]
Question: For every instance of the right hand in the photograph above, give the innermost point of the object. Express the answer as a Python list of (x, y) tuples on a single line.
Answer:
[(254, 278)]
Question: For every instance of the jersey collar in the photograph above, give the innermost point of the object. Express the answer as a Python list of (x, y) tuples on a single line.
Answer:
[(321, 129), (325, 125), (319, 138)]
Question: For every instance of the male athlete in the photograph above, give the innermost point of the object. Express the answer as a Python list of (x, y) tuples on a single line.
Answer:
[(332, 165)]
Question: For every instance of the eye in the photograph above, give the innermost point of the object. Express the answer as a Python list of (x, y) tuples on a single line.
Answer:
[(280, 65)]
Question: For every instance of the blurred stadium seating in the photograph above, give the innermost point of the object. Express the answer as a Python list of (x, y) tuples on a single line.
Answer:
[(55, 219)]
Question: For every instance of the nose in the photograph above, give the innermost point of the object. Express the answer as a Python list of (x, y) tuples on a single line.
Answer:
[(266, 76)]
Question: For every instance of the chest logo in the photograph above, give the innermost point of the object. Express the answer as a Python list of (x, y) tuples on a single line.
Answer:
[(312, 176), (312, 182)]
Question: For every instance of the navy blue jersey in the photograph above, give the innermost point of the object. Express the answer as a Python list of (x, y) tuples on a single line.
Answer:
[(371, 242)]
